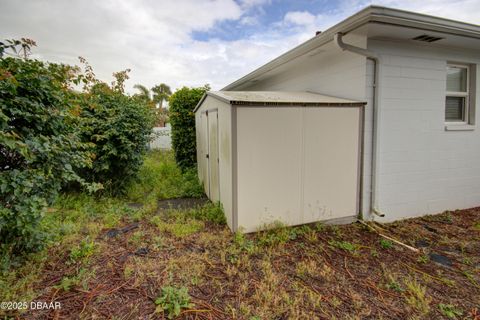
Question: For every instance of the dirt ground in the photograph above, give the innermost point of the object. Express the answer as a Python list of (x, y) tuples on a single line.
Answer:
[(314, 272)]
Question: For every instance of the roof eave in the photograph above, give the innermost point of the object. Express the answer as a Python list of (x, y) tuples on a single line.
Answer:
[(371, 14)]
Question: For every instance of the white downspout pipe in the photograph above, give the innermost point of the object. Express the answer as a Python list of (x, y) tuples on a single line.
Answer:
[(376, 116)]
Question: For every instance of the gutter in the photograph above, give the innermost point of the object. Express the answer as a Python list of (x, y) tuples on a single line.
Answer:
[(337, 39)]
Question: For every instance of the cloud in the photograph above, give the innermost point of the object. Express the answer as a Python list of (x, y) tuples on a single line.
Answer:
[(154, 38), (303, 18)]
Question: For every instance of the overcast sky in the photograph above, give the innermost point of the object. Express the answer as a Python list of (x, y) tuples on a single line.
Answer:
[(186, 42)]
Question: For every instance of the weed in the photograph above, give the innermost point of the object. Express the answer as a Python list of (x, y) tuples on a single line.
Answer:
[(335, 230), (386, 244), (467, 261), (83, 251), (447, 217), (136, 238), (242, 243), (311, 235), (306, 268), (128, 271), (423, 259), (416, 296), (172, 301), (68, 282), (476, 226), (374, 253), (344, 245), (319, 226), (470, 278), (178, 229), (208, 212), (158, 242), (393, 284), (450, 311), (275, 234)]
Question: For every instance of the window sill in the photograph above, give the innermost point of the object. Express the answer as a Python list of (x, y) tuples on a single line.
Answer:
[(459, 127)]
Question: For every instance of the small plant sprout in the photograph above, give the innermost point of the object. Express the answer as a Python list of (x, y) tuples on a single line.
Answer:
[(423, 259), (172, 301), (386, 244), (394, 285)]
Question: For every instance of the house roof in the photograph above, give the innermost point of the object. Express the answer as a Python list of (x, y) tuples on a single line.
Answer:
[(278, 98), (371, 14)]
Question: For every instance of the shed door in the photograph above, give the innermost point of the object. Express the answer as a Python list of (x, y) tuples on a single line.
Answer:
[(203, 161), (213, 167)]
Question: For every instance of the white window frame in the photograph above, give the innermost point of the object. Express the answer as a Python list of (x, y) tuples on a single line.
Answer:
[(466, 95)]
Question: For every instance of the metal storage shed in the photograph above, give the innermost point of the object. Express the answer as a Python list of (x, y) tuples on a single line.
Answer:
[(292, 157)]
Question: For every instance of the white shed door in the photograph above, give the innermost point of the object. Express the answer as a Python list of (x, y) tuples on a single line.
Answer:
[(213, 167), (203, 161)]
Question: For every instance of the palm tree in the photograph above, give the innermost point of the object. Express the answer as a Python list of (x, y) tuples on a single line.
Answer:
[(161, 93), (155, 97), (144, 92)]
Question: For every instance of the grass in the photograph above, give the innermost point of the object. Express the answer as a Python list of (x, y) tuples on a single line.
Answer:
[(160, 178), (191, 266)]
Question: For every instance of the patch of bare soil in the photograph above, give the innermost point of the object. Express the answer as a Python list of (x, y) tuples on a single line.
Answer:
[(316, 272)]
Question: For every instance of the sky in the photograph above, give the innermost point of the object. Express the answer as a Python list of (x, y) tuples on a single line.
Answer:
[(186, 42)]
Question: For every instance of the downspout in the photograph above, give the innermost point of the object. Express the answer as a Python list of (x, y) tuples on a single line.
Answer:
[(375, 108)]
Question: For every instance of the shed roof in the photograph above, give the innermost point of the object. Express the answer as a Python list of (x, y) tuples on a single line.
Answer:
[(275, 98)]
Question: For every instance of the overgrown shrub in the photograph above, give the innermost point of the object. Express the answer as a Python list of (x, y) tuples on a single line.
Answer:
[(52, 136), (40, 148), (120, 127), (182, 119)]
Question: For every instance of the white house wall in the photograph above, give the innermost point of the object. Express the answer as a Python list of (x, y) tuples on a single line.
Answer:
[(327, 71), (423, 169), (225, 151)]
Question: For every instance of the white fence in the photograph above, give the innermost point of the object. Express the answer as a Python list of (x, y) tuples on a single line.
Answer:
[(161, 138)]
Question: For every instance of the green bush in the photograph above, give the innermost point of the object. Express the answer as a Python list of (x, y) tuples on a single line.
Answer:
[(120, 127), (40, 148), (182, 119)]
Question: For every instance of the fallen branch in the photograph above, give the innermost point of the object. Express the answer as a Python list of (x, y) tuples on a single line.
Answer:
[(389, 238)]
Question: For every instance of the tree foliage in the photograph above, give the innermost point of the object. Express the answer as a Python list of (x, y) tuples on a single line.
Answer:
[(40, 147), (52, 136), (182, 118), (161, 92), (155, 97), (119, 127)]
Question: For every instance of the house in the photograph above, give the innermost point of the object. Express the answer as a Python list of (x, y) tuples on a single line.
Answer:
[(419, 136)]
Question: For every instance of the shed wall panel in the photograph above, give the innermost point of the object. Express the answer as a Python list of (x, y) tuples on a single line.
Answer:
[(297, 165), (331, 168), (269, 166)]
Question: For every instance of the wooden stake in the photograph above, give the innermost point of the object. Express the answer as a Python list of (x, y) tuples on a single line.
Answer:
[(389, 238)]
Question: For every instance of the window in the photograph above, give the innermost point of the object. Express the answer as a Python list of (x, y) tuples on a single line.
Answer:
[(457, 95)]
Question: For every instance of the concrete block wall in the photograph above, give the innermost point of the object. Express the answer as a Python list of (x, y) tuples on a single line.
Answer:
[(422, 168)]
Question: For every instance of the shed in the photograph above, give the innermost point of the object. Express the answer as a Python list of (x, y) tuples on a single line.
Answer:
[(289, 157)]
